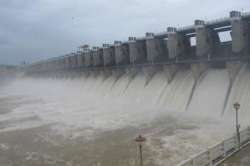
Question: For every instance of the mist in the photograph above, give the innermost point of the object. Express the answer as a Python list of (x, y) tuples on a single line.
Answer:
[(105, 113)]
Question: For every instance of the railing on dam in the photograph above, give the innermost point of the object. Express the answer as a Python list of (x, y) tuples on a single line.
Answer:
[(218, 153)]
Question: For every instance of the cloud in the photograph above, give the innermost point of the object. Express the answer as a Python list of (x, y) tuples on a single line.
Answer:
[(31, 30)]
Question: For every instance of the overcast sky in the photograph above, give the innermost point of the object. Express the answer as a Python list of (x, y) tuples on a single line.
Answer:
[(32, 30)]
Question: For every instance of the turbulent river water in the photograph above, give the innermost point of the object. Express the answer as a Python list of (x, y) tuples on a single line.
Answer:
[(92, 121)]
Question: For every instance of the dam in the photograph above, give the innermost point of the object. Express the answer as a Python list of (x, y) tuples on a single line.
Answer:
[(176, 88), (216, 44), (204, 41)]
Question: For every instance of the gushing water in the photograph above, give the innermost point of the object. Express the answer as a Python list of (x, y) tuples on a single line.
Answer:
[(92, 120)]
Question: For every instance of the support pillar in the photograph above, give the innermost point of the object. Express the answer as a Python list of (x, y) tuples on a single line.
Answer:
[(137, 51), (154, 48), (67, 62), (88, 59), (121, 53), (80, 59), (73, 60), (108, 55), (97, 54), (178, 44), (240, 36), (84, 49), (206, 40)]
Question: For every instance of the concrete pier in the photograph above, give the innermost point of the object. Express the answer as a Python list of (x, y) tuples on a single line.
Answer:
[(86, 55), (121, 53), (206, 40), (137, 51), (97, 54), (108, 55), (178, 44), (80, 59), (240, 34), (73, 60), (67, 62), (60, 64), (88, 59), (155, 48)]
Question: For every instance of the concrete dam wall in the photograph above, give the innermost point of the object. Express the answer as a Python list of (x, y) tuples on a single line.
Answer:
[(212, 92), (202, 42), (169, 53)]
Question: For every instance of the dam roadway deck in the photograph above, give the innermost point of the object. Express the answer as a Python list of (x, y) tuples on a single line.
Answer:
[(242, 158)]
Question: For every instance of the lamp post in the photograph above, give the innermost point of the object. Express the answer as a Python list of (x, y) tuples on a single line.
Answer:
[(237, 107), (140, 139)]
